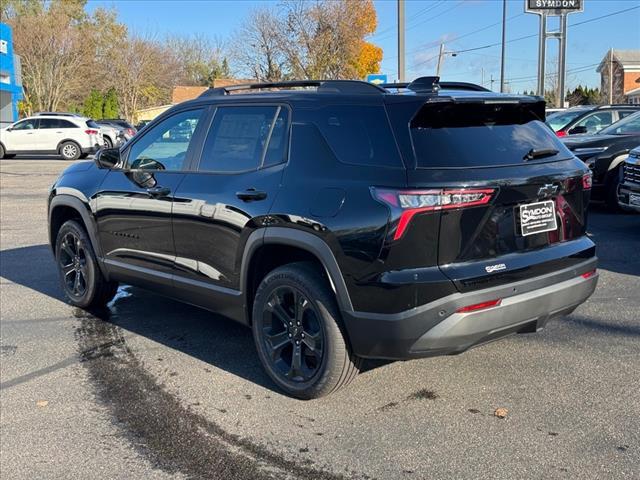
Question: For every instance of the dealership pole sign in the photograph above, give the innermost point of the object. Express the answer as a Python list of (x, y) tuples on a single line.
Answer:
[(553, 8)]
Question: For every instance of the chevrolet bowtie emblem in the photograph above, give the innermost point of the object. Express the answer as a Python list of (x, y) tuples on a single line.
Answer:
[(547, 190)]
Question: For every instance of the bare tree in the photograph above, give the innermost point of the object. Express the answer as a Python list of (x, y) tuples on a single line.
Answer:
[(201, 58), (53, 55), (257, 47), (143, 72)]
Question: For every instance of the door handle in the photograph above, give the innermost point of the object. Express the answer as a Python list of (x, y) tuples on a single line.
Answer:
[(251, 195), (159, 192)]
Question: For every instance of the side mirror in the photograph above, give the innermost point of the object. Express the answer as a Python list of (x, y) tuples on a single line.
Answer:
[(578, 130), (107, 157), (8, 129)]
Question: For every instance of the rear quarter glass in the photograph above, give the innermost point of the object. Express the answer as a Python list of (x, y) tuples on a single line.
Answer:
[(479, 135)]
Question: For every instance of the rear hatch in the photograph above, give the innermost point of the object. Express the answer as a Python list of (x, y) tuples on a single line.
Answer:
[(512, 198)]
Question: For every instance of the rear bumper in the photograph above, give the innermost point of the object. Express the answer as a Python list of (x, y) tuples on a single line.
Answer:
[(623, 196), (437, 329)]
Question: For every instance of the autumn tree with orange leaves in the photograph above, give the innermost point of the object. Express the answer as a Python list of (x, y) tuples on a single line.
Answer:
[(310, 40)]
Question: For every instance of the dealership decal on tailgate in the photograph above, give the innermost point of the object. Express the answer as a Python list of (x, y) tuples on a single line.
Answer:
[(538, 217)]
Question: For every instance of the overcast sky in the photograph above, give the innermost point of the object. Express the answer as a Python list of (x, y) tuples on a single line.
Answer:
[(461, 24)]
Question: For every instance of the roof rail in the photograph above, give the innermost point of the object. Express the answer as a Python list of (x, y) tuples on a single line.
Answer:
[(59, 114), (427, 84), (329, 86)]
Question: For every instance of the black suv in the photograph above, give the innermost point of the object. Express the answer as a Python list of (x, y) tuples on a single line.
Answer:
[(339, 219)]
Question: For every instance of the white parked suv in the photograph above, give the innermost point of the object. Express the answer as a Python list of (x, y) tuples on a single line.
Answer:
[(71, 136)]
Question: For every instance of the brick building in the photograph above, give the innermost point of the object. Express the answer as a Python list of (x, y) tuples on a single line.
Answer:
[(623, 66)]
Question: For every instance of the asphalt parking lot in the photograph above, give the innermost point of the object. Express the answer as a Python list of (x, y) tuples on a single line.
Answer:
[(152, 388)]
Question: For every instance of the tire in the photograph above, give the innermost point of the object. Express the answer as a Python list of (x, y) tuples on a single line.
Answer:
[(107, 142), (612, 183), (2, 154), (70, 151), (80, 277), (83, 156), (320, 370)]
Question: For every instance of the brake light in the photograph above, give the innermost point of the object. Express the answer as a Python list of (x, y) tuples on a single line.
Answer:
[(91, 132), (411, 202), (480, 306), (561, 133), (588, 274), (130, 132), (587, 181)]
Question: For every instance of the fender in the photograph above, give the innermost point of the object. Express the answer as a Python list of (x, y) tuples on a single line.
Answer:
[(72, 201), (305, 241), (68, 140), (617, 161)]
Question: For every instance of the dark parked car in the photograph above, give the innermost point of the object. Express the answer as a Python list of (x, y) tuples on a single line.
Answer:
[(339, 220), (588, 119), (629, 190), (604, 154)]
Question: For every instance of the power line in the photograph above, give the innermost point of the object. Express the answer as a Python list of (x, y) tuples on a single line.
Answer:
[(426, 19), (530, 36), (417, 14)]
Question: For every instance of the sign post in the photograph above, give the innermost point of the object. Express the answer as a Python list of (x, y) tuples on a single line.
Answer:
[(553, 8)]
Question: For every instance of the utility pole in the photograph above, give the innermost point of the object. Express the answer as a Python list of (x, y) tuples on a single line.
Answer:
[(504, 35), (401, 40), (440, 55), (610, 76)]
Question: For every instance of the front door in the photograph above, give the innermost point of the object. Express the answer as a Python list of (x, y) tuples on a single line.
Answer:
[(23, 136), (229, 193), (134, 203)]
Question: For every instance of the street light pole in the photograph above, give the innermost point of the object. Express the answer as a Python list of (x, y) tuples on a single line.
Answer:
[(504, 34), (440, 59), (401, 40)]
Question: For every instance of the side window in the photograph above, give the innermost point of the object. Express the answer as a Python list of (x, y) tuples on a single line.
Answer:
[(625, 113), (165, 146), (66, 124), (237, 139), (596, 121), (278, 143), (26, 125), (359, 135), (47, 123)]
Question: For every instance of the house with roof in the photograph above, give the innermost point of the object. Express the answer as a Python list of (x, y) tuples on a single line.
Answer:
[(620, 76)]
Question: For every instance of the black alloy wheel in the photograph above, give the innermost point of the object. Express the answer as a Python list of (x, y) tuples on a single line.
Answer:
[(299, 333), (73, 264), (292, 334)]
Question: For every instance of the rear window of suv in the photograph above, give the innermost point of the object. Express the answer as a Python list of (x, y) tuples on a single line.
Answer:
[(480, 135)]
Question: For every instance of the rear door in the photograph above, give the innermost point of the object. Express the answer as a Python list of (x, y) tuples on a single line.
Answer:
[(52, 131), (229, 194), (535, 219)]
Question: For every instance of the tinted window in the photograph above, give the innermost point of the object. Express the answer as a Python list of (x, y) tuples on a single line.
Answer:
[(237, 139), (165, 146), (92, 124), (56, 123), (479, 135), (279, 141), (25, 125), (596, 121), (625, 113), (359, 135)]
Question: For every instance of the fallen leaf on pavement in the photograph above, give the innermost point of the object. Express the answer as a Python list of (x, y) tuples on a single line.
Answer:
[(501, 412), (42, 403)]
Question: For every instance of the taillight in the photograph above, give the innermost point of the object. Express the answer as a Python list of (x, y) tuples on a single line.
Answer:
[(587, 181), (561, 133), (480, 306), (411, 202), (588, 274), (91, 132), (130, 132)]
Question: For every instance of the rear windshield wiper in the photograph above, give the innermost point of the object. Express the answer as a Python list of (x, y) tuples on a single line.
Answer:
[(539, 153)]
